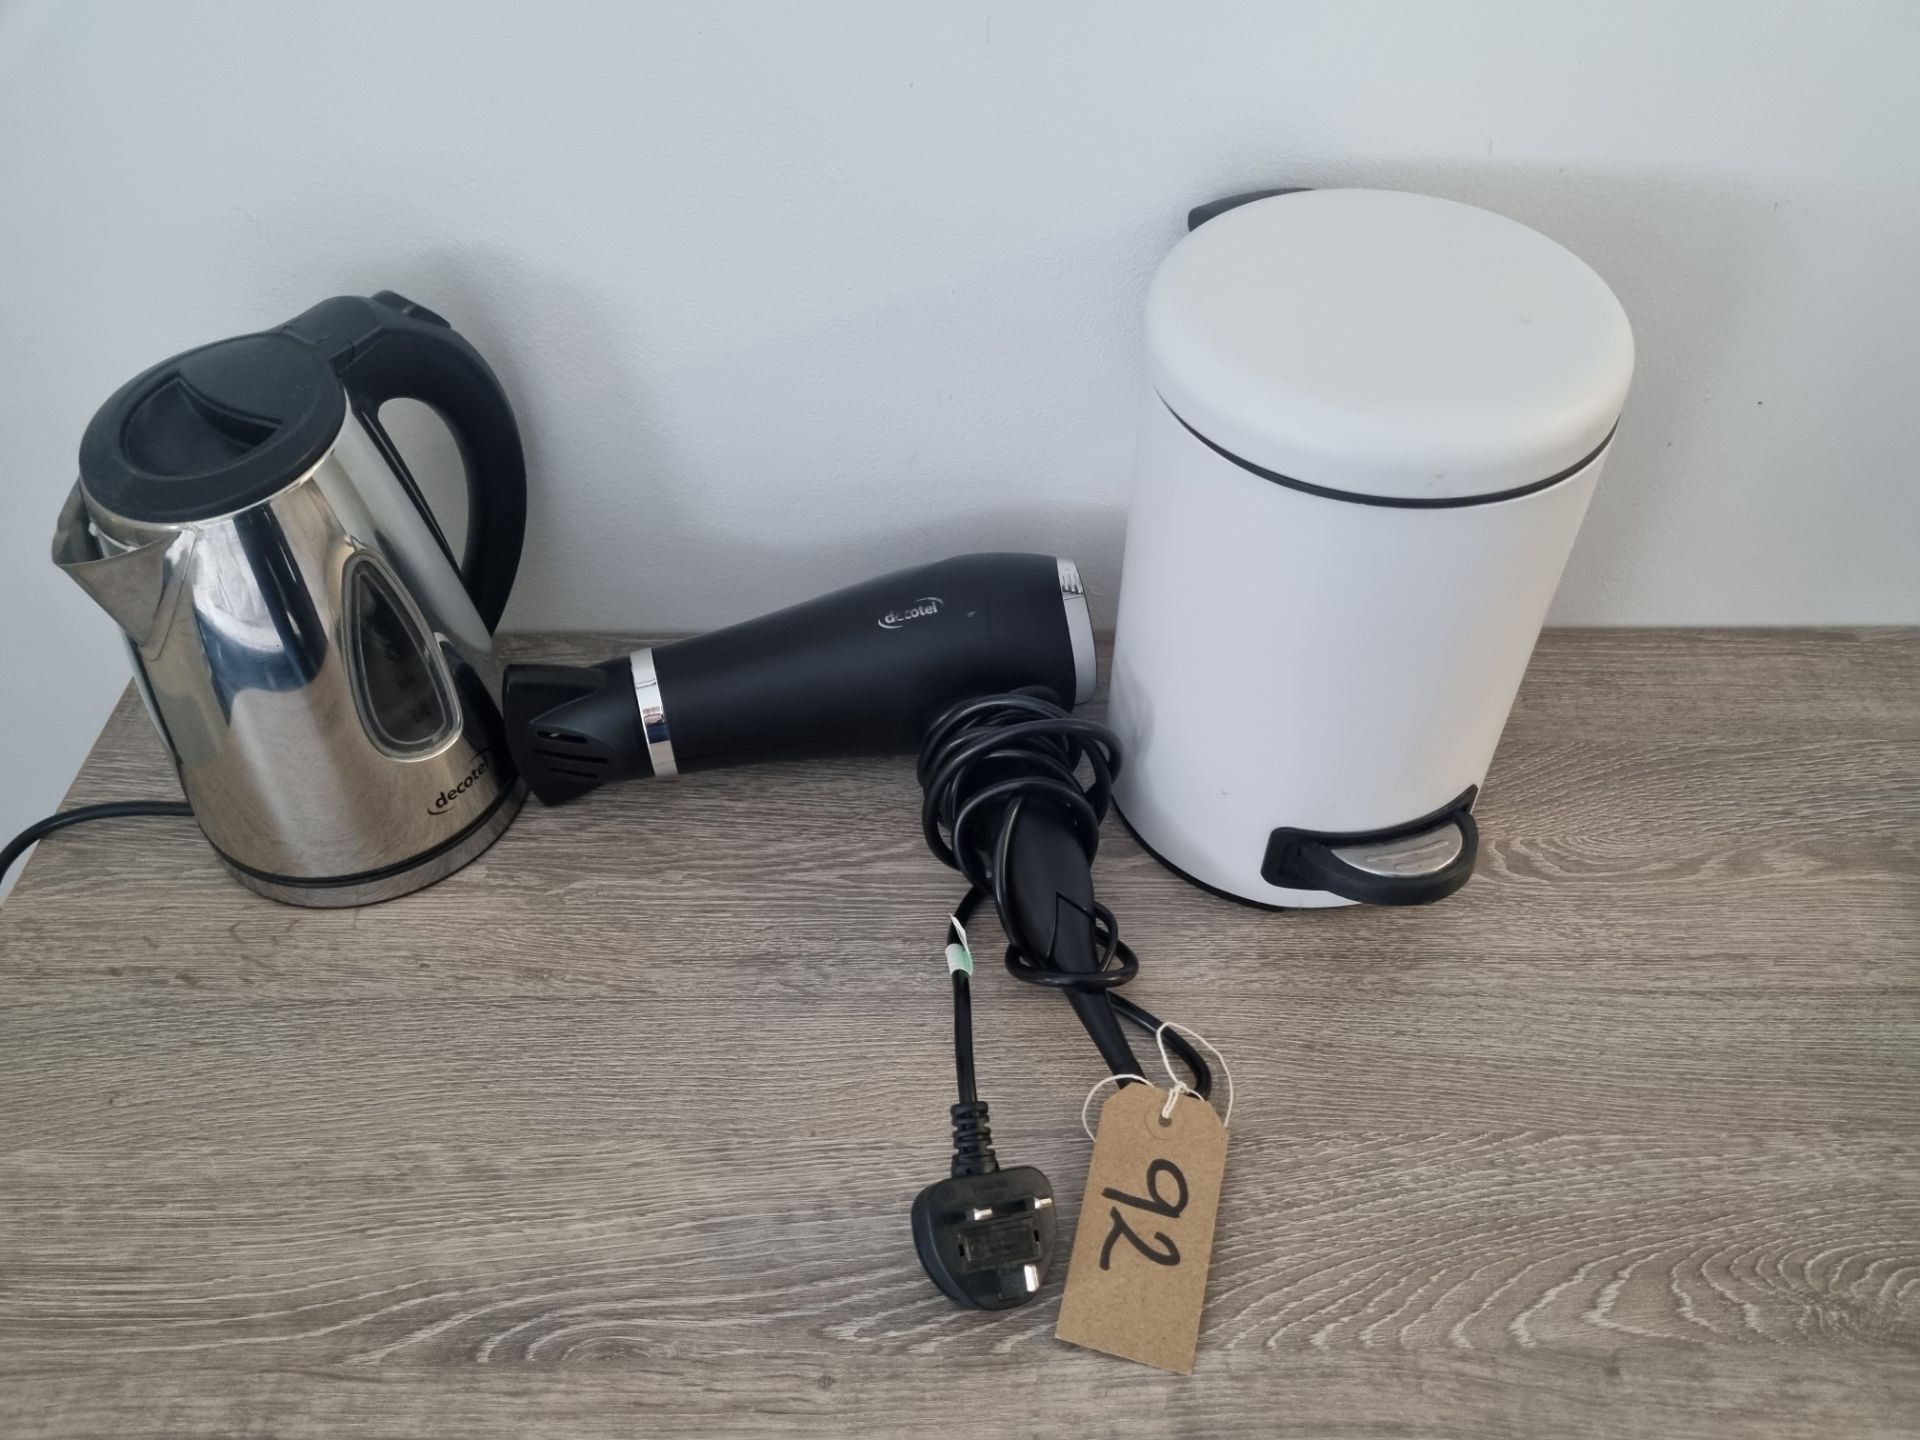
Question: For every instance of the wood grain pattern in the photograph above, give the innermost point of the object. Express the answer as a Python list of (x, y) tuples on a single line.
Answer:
[(614, 1133)]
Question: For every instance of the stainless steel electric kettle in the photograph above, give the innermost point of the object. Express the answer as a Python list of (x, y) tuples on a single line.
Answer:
[(318, 663)]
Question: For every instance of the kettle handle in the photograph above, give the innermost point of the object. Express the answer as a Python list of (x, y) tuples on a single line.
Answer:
[(388, 348)]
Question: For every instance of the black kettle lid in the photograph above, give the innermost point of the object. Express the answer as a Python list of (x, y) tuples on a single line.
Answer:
[(213, 430)]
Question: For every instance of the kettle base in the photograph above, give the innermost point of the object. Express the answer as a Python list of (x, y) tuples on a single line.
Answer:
[(392, 883)]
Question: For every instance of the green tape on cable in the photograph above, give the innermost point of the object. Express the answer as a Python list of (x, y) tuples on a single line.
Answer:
[(959, 954)]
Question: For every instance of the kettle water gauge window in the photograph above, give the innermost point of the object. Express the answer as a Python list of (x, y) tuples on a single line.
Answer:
[(400, 682)]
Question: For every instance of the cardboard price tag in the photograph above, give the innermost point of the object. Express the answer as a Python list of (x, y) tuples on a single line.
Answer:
[(1138, 1274)]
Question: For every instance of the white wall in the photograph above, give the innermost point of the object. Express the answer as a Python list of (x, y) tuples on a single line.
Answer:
[(788, 293)]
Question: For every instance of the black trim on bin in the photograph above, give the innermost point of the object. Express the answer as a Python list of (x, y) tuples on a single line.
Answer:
[(1395, 502), (1304, 860), (385, 872), (1201, 214)]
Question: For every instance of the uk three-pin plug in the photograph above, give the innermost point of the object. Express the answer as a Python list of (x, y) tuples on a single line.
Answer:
[(985, 1235)]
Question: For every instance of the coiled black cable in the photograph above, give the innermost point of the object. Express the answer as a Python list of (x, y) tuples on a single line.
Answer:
[(1000, 780)]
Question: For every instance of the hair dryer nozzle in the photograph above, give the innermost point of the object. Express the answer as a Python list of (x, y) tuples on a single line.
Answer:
[(571, 727)]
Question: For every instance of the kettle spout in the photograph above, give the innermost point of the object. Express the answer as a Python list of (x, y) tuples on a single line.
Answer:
[(133, 586)]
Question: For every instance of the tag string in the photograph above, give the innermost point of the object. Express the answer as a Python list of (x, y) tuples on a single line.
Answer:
[(1179, 1086)]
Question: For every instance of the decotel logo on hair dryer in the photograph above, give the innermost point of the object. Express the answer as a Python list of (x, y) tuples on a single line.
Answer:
[(919, 610)]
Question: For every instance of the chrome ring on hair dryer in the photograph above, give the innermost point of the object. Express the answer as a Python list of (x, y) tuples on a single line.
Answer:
[(860, 671), (653, 713)]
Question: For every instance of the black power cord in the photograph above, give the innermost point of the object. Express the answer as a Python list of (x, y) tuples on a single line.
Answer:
[(1004, 805), (111, 810)]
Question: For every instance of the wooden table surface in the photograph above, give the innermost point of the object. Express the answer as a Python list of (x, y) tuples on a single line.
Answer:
[(615, 1132)]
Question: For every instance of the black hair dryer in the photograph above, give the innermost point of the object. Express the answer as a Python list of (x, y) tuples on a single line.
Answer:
[(863, 670)]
